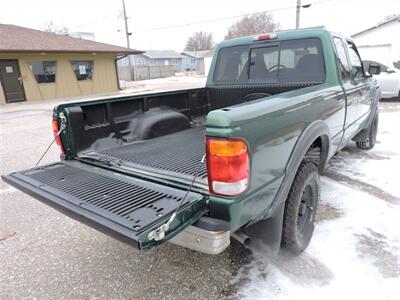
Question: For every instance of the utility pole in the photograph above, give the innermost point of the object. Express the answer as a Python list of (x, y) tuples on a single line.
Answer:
[(127, 34), (298, 5)]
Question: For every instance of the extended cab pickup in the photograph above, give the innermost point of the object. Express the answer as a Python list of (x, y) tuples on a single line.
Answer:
[(240, 157)]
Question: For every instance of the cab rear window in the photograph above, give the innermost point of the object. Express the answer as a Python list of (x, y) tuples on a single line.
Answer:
[(299, 61)]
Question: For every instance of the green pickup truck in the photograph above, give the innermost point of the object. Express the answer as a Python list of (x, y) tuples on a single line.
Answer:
[(238, 158)]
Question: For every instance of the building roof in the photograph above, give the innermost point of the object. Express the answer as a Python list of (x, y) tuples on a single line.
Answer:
[(196, 54), (162, 54), (394, 19), (21, 39)]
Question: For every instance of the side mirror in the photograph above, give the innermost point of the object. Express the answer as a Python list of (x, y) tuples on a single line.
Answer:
[(374, 69)]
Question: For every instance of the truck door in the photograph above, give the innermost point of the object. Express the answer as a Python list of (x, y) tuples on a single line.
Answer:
[(350, 92)]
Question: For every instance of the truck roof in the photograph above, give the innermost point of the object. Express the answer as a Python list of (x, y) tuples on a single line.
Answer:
[(281, 35)]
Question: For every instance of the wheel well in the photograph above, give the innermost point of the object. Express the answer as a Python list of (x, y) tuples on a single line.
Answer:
[(318, 152)]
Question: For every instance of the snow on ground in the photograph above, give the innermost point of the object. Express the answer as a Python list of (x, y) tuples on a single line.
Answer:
[(377, 166), (355, 250)]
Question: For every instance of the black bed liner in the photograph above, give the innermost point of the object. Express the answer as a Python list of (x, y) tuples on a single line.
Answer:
[(122, 206), (176, 155)]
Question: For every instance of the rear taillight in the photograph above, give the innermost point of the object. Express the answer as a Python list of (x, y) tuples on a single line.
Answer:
[(227, 166), (56, 128)]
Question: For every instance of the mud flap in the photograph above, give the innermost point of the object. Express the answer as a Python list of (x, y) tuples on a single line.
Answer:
[(267, 234), (122, 206)]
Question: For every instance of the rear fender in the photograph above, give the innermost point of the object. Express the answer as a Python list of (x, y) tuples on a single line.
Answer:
[(269, 230)]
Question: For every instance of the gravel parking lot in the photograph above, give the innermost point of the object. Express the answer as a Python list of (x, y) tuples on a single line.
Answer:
[(355, 250)]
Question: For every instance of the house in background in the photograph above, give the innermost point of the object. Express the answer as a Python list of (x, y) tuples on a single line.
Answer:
[(163, 63), (381, 42), (157, 57), (151, 64), (193, 61), (37, 65)]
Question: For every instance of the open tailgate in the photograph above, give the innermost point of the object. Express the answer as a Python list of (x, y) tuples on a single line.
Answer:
[(124, 207)]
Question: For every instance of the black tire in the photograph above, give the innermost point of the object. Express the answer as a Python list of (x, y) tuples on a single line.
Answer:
[(370, 141), (301, 208)]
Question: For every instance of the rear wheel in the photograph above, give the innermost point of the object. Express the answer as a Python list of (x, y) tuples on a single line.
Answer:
[(301, 208), (369, 142)]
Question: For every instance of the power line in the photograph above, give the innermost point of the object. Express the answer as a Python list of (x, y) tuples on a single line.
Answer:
[(96, 20), (223, 18)]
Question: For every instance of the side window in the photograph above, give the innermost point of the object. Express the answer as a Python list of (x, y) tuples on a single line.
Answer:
[(356, 65), (342, 60), (44, 71), (83, 69)]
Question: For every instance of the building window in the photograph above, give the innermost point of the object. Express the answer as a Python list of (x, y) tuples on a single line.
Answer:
[(141, 61), (193, 60), (44, 71), (83, 69)]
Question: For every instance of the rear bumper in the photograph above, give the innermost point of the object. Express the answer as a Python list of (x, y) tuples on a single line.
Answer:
[(201, 240)]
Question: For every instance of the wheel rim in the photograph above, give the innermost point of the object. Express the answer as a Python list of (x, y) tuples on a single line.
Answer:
[(306, 208)]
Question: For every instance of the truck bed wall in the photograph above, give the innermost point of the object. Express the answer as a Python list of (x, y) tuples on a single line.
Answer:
[(104, 124), (112, 122)]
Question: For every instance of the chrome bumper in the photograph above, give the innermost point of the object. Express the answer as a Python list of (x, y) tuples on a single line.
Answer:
[(209, 242)]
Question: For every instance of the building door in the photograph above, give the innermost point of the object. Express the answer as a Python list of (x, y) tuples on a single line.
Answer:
[(10, 76)]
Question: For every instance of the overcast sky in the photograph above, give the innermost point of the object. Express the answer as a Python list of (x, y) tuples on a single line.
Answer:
[(102, 17)]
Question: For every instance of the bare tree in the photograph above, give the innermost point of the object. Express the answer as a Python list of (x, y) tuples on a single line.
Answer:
[(53, 28), (250, 25), (200, 41)]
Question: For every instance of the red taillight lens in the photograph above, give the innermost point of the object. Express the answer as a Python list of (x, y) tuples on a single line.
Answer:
[(57, 137), (227, 166)]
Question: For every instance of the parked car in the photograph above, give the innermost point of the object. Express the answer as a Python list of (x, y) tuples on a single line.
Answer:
[(275, 109), (388, 79)]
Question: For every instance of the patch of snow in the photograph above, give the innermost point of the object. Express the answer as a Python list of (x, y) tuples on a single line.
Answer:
[(379, 166), (337, 264)]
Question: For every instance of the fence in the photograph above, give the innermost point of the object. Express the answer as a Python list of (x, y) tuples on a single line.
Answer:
[(145, 72)]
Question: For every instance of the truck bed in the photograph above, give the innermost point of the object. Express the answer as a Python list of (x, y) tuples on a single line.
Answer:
[(175, 156)]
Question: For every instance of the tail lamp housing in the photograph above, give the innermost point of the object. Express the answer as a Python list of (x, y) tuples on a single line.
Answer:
[(228, 166), (265, 37), (57, 138)]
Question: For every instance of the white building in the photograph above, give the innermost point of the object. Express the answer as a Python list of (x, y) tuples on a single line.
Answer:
[(380, 43)]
